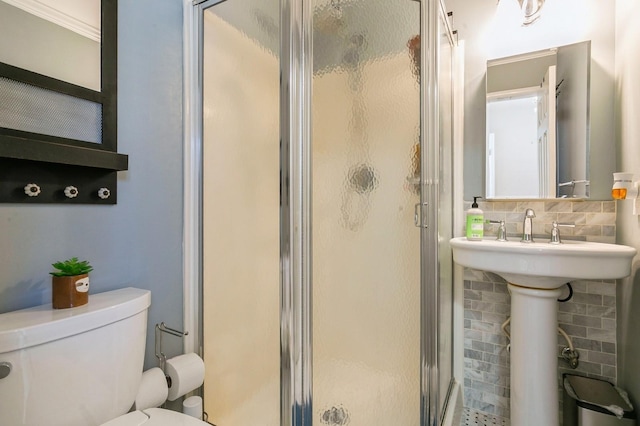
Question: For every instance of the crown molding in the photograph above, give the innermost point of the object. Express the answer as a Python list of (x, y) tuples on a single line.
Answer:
[(57, 17)]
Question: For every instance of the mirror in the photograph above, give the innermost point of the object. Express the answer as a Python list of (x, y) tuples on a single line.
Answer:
[(58, 72), (537, 124), (59, 39)]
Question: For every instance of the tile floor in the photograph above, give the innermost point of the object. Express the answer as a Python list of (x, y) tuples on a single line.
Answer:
[(471, 417)]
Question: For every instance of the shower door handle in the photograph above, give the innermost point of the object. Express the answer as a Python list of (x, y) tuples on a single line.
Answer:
[(418, 216)]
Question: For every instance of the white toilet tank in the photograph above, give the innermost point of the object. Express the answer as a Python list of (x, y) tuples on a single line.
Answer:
[(73, 367)]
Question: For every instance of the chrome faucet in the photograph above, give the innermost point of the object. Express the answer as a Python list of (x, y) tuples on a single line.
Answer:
[(527, 226), (555, 232)]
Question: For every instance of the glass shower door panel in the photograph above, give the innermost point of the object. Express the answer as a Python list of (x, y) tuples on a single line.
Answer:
[(365, 246), (241, 328)]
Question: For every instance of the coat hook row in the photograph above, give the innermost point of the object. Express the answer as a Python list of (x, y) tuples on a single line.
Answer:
[(33, 190)]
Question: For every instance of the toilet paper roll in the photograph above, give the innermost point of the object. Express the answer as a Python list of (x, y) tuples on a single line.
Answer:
[(192, 406), (186, 373), (153, 389)]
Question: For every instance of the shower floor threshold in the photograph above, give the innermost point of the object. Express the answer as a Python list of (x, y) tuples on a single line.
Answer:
[(472, 417)]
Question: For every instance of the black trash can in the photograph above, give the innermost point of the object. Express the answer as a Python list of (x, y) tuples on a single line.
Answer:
[(593, 402)]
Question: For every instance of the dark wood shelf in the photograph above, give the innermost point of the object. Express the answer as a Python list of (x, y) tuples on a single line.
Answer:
[(50, 152)]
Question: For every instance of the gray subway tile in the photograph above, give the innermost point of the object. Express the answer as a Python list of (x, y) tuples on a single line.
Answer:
[(602, 358), (481, 286), (598, 287), (587, 344), (587, 206), (587, 321), (610, 372), (609, 347), (575, 330), (472, 354), (473, 315), (495, 297), (502, 308), (494, 317), (496, 379), (589, 299), (472, 295), (482, 326), (500, 287), (482, 386), (557, 206), (473, 334), (573, 307), (575, 218), (482, 306), (497, 339), (589, 367), (602, 335), (565, 318), (608, 324), (601, 218), (483, 346), (601, 311)]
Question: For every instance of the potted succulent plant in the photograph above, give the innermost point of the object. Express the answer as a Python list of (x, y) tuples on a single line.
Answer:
[(70, 284)]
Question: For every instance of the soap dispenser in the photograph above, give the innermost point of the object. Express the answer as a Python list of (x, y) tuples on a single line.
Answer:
[(475, 222)]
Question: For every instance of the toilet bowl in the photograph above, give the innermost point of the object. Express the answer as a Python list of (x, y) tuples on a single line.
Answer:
[(68, 367)]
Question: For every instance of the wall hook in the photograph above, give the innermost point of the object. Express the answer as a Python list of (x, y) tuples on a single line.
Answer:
[(104, 193), (32, 190), (71, 191)]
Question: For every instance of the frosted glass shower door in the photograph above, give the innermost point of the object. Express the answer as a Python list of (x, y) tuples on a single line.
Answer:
[(240, 216), (365, 245)]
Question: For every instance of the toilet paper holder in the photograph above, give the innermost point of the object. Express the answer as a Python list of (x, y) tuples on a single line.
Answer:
[(162, 328)]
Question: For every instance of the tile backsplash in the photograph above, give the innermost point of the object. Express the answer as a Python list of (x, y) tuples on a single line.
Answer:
[(589, 318), (593, 220)]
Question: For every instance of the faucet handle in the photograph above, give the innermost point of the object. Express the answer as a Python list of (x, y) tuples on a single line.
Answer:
[(555, 232), (502, 229)]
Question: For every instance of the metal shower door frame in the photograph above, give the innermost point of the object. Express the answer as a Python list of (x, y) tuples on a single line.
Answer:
[(429, 201)]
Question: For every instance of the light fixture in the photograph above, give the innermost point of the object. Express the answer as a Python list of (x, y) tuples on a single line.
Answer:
[(530, 10)]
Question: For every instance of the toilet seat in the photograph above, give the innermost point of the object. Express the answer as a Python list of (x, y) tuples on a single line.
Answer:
[(155, 417)]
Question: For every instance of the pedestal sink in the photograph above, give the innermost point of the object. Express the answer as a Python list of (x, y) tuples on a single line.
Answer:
[(536, 273)]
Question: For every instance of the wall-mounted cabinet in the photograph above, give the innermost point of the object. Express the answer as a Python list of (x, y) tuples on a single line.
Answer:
[(57, 131)]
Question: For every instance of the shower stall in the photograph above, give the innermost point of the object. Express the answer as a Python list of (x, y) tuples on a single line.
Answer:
[(321, 180)]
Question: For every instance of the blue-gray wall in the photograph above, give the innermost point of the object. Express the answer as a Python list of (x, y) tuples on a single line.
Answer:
[(138, 242)]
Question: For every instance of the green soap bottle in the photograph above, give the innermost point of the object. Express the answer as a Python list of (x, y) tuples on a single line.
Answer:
[(475, 222)]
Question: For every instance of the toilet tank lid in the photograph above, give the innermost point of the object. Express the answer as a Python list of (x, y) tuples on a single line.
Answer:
[(41, 324)]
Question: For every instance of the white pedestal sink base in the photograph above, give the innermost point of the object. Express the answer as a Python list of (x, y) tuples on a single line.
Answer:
[(534, 362), (539, 270)]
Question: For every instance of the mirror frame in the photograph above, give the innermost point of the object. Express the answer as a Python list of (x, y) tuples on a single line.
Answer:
[(19, 148)]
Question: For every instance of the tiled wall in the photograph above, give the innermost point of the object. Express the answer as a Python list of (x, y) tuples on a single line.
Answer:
[(589, 318)]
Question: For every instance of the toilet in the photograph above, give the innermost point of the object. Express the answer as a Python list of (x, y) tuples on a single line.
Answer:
[(80, 366)]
